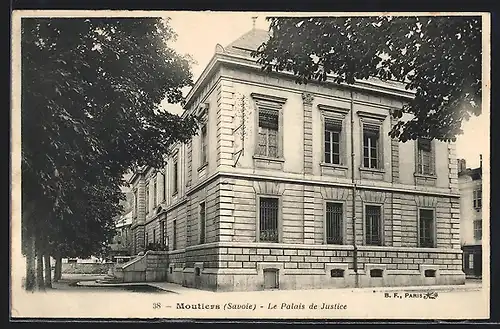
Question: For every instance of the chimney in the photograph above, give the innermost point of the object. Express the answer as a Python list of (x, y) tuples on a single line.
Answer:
[(480, 161), (254, 18)]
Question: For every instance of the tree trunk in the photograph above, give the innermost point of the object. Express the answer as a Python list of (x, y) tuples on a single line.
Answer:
[(39, 266), (28, 243), (30, 283), (48, 270), (40, 282), (58, 268)]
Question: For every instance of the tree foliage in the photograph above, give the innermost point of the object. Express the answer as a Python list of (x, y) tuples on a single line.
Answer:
[(91, 94), (439, 58)]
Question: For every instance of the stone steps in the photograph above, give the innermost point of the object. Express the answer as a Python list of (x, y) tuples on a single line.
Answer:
[(109, 279)]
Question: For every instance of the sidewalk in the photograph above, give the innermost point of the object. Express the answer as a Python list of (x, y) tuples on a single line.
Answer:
[(178, 289)]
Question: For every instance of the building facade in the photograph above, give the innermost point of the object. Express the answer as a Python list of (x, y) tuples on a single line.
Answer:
[(471, 221), (299, 186)]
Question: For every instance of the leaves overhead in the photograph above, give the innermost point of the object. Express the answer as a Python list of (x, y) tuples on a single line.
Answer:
[(439, 58), (91, 94)]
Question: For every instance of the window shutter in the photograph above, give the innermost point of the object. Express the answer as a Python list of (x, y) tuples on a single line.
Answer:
[(333, 124), (268, 119), (371, 129), (424, 144)]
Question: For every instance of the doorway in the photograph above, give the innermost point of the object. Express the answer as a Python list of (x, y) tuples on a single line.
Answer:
[(271, 278)]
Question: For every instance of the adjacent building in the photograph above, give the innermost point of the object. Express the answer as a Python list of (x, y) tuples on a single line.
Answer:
[(295, 186), (471, 221), (122, 244)]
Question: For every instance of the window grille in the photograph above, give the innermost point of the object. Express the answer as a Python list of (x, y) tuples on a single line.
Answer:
[(337, 273), (373, 225), (162, 232), (333, 223), (426, 226), (174, 238), (202, 222), (268, 220)]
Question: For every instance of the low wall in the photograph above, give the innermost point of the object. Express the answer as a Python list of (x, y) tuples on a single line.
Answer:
[(150, 267), (241, 266), (86, 268)]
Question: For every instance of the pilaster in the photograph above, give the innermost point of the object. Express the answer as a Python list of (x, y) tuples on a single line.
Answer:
[(307, 100), (225, 113)]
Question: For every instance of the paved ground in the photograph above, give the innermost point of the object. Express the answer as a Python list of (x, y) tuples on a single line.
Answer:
[(467, 301)]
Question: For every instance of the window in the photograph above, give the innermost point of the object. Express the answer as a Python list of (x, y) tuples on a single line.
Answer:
[(333, 129), (424, 157), (147, 198), (176, 177), (376, 273), (147, 238), (268, 133), (162, 233), (371, 136), (204, 145), (202, 222), (471, 261), (174, 238), (136, 203), (426, 228), (334, 223), (478, 229), (154, 193), (477, 195), (268, 220), (164, 187), (373, 225), (154, 236)]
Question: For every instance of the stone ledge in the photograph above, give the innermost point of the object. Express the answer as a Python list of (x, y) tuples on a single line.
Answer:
[(293, 246)]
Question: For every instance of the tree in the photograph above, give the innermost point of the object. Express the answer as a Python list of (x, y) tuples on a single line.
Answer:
[(91, 93), (437, 57)]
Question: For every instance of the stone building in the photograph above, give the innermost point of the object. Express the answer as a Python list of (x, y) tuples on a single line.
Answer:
[(471, 227), (299, 186)]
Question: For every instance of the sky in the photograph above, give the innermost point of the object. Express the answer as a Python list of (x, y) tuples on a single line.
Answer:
[(199, 32)]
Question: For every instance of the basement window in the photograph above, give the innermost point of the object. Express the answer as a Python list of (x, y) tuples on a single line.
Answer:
[(337, 273), (430, 273), (376, 273)]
